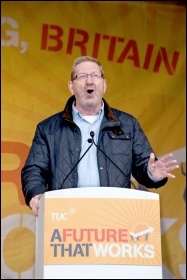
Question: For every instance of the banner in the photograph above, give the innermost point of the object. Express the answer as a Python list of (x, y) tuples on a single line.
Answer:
[(76, 235), (142, 47)]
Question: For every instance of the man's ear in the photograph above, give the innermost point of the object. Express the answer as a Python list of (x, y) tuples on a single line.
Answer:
[(70, 86), (104, 86)]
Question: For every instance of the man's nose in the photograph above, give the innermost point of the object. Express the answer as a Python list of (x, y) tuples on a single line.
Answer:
[(89, 78)]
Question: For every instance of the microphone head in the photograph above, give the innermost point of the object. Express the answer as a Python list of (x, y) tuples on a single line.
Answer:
[(90, 140), (92, 134)]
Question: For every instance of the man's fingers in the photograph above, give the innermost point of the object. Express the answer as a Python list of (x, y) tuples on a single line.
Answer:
[(34, 204)]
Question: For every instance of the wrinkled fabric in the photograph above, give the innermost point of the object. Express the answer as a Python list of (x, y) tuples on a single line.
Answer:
[(56, 148)]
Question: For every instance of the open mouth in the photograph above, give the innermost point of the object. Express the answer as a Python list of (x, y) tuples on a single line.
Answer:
[(89, 91)]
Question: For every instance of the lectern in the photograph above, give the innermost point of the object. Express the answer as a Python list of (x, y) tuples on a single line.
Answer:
[(98, 233)]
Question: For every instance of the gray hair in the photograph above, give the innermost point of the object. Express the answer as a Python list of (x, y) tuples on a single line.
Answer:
[(81, 59)]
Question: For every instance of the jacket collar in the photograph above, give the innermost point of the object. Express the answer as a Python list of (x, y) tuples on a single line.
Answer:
[(113, 122)]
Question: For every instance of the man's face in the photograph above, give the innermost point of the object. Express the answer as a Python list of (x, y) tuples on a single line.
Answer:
[(88, 89)]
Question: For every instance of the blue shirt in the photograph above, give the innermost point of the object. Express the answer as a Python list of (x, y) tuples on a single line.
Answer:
[(88, 175)]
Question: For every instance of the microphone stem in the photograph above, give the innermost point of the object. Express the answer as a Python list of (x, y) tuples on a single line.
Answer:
[(115, 165), (76, 164), (93, 142)]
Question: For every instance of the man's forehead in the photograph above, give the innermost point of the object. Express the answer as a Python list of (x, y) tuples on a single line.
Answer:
[(87, 65)]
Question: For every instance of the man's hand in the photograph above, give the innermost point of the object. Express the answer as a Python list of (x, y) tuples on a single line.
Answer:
[(161, 168), (34, 203)]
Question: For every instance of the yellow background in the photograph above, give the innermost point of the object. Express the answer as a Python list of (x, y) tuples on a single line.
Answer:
[(34, 86)]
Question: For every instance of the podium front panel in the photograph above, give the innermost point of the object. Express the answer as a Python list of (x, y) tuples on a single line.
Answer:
[(98, 232)]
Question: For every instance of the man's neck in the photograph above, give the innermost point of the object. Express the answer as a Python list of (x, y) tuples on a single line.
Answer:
[(88, 110)]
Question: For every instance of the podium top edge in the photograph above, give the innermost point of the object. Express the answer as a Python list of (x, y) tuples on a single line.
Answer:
[(101, 192)]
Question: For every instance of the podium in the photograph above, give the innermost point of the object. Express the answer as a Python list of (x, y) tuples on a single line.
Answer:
[(98, 233)]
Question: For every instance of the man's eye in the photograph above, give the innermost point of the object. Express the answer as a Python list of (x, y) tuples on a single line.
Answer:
[(82, 76)]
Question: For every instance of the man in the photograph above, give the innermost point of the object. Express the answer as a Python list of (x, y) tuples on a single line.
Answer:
[(89, 144)]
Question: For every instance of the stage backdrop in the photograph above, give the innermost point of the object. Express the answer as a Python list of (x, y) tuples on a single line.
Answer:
[(142, 47)]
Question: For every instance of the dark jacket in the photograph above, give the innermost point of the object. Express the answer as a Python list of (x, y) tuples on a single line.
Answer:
[(56, 149)]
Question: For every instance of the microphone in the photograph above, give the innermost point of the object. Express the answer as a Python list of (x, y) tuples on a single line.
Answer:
[(78, 160), (91, 140)]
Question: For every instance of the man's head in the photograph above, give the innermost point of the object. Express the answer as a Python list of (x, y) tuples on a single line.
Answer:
[(88, 84)]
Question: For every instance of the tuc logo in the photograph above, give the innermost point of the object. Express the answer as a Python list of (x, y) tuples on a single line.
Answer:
[(62, 216), (11, 36)]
